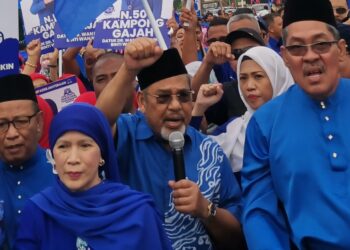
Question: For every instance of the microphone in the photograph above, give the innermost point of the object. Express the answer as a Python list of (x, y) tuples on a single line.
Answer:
[(177, 142)]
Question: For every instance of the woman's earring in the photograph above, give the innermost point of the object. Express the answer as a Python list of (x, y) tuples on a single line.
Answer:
[(101, 163)]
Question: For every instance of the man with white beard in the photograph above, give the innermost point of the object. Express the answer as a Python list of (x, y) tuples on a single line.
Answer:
[(201, 211)]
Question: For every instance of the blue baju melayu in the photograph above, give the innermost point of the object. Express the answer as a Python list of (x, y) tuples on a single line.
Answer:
[(17, 185), (296, 172)]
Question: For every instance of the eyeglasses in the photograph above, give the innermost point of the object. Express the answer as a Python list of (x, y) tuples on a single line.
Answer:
[(19, 122), (182, 96), (340, 10), (238, 52), (318, 48), (219, 39)]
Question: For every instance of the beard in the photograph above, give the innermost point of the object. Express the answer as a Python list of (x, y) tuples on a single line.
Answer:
[(165, 132)]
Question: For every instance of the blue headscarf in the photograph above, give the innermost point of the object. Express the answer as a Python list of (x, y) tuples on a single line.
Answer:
[(87, 119), (109, 215)]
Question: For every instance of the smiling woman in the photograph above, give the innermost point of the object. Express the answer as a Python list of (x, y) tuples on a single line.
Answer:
[(88, 208)]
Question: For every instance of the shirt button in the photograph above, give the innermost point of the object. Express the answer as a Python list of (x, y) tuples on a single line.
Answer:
[(334, 155), (19, 197), (21, 167), (330, 137), (19, 211), (323, 106), (326, 118), (18, 183)]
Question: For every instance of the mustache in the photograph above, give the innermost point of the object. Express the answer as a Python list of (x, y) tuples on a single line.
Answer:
[(313, 67)]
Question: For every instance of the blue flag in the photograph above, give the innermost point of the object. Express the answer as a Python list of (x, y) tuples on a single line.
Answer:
[(74, 15)]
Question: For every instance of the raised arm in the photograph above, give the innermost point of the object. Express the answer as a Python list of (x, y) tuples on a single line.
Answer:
[(34, 52), (208, 95), (218, 53), (139, 53), (189, 50), (70, 65)]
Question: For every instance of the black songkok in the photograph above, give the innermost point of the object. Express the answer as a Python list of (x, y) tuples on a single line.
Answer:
[(308, 10), (168, 65), (17, 87)]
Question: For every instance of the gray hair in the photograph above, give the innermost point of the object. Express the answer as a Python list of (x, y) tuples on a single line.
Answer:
[(242, 16), (330, 28)]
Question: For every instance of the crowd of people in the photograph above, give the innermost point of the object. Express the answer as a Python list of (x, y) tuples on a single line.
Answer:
[(261, 102)]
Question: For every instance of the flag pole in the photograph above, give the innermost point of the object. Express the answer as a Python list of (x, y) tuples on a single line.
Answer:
[(155, 27), (60, 63)]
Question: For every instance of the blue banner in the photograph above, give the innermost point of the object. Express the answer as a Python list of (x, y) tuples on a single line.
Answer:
[(39, 22), (9, 63), (74, 15), (127, 20), (61, 41)]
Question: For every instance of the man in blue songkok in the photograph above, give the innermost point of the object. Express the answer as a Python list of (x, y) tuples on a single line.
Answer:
[(24, 170), (88, 208), (296, 167), (201, 211)]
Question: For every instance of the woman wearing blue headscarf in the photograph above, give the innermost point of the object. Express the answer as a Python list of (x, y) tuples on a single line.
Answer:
[(88, 208)]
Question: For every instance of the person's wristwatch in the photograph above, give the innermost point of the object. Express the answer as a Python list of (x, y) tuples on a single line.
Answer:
[(211, 209)]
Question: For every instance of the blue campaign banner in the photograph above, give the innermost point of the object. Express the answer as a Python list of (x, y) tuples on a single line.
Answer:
[(127, 20), (74, 15), (62, 42), (9, 63), (39, 22)]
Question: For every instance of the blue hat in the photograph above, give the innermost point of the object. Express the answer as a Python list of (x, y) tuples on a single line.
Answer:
[(89, 120)]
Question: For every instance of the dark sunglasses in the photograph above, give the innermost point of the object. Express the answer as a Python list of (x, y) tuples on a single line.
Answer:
[(238, 52), (182, 96), (219, 39), (340, 10), (318, 48)]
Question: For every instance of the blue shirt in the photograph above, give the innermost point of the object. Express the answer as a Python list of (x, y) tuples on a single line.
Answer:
[(146, 165), (18, 184), (275, 44), (297, 154)]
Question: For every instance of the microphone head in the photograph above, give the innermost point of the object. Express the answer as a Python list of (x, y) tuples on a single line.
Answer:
[(176, 140)]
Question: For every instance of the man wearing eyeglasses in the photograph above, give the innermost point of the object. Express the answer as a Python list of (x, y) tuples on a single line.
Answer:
[(341, 11), (296, 166), (24, 170), (201, 210)]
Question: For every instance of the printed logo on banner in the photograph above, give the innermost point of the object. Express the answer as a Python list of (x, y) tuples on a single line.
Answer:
[(61, 93), (39, 22), (68, 96), (81, 40), (127, 20)]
